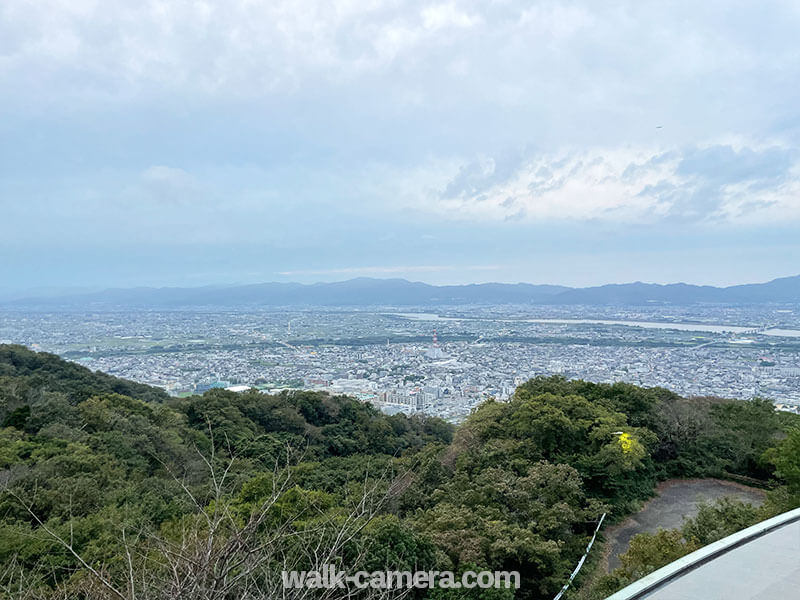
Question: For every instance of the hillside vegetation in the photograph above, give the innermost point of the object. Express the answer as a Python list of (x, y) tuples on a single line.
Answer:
[(110, 489)]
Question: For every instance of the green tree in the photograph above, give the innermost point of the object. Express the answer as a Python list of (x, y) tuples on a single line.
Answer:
[(786, 458)]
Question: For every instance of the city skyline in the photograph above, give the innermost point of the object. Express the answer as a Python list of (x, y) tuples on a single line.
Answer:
[(441, 362)]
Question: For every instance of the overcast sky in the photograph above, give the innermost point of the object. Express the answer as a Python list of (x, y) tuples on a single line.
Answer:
[(188, 143)]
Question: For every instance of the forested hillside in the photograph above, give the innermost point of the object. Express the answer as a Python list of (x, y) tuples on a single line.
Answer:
[(110, 489)]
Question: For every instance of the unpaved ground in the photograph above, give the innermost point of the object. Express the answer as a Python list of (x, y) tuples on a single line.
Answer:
[(675, 500)]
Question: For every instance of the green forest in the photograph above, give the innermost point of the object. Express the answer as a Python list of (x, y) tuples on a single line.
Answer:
[(112, 489)]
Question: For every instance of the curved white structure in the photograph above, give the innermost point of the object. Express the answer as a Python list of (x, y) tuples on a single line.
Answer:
[(761, 562)]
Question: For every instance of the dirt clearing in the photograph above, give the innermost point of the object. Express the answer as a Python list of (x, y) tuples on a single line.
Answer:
[(675, 500)]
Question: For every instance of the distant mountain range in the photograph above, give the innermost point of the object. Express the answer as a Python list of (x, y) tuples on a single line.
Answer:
[(397, 292)]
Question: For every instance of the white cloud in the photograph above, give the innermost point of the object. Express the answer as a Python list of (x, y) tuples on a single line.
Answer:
[(230, 47), (440, 16), (368, 106), (715, 183), (553, 53), (555, 20)]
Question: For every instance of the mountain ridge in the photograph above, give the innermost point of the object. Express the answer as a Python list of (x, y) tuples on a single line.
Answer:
[(365, 291)]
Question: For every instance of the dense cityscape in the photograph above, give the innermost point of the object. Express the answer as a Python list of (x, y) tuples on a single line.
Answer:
[(437, 361)]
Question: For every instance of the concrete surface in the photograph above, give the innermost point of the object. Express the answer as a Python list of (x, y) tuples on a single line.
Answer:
[(761, 562)]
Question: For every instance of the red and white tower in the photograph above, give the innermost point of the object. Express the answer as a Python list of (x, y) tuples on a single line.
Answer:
[(435, 351)]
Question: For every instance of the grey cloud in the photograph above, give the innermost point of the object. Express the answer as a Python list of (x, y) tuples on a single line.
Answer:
[(516, 216), (547, 183), (636, 169), (705, 174), (685, 203), (722, 165), (481, 175)]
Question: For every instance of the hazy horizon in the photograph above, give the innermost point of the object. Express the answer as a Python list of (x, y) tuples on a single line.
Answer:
[(54, 291)]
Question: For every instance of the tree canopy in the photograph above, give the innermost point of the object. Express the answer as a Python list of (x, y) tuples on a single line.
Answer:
[(519, 486)]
